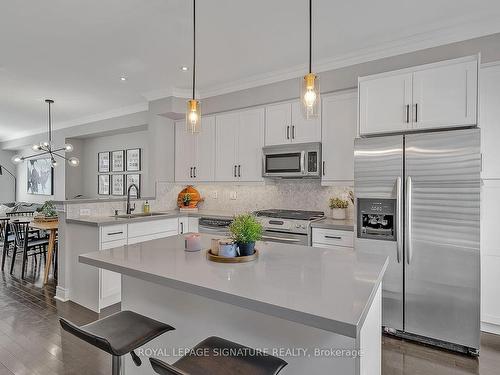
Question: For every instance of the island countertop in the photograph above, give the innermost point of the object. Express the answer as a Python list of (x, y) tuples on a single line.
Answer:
[(323, 288)]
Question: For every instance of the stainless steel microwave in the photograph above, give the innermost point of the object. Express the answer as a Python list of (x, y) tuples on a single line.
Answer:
[(301, 160)]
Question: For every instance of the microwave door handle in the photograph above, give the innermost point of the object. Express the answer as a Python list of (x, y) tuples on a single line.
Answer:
[(303, 162), (409, 251), (399, 224)]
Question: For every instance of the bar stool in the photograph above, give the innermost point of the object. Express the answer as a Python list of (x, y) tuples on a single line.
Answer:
[(118, 334), (217, 356)]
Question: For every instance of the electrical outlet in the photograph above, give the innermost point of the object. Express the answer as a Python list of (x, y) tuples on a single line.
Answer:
[(84, 211), (233, 195), (214, 195)]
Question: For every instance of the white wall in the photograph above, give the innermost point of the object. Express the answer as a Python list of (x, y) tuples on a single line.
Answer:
[(6, 180), (74, 176), (91, 146)]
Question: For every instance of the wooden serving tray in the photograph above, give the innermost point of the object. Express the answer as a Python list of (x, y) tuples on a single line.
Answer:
[(244, 259)]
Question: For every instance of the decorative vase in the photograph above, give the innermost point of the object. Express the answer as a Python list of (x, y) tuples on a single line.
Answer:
[(246, 249), (338, 213), (193, 193)]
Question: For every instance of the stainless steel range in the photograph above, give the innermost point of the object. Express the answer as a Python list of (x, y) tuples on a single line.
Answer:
[(287, 226)]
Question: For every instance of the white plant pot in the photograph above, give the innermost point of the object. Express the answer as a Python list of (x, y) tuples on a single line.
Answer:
[(339, 213)]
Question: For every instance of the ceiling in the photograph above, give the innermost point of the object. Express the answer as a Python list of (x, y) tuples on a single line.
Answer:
[(76, 51)]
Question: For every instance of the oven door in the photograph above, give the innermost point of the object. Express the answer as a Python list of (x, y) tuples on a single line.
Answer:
[(284, 237)]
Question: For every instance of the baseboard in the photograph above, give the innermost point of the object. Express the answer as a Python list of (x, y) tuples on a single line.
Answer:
[(62, 294), (490, 328)]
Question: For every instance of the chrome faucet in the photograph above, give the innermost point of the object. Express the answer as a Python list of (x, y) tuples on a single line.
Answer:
[(129, 208)]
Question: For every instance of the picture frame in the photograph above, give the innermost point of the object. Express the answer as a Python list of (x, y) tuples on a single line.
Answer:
[(103, 162), (134, 159), (103, 187), (40, 176), (134, 178), (118, 161), (117, 184)]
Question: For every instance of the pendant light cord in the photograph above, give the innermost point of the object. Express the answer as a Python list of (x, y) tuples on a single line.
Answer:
[(194, 44), (310, 36), (50, 126)]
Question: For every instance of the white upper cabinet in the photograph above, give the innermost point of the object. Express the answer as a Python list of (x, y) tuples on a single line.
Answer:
[(184, 153), (285, 123), (385, 104), (226, 135), (250, 142), (195, 153), (440, 95), (339, 130), (278, 124), (445, 96), (239, 139), (489, 121)]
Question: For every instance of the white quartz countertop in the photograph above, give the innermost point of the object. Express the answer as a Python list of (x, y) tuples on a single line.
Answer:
[(111, 220), (323, 288)]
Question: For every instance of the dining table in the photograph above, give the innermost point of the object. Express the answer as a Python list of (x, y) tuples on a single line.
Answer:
[(51, 227)]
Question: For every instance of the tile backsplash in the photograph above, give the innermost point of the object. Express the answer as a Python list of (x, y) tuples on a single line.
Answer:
[(285, 194)]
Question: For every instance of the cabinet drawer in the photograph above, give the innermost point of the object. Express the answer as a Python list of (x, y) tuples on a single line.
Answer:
[(146, 228), (333, 247), (112, 244), (332, 237), (113, 232), (150, 237)]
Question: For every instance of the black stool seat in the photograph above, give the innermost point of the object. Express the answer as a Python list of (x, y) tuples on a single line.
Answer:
[(217, 356), (120, 333)]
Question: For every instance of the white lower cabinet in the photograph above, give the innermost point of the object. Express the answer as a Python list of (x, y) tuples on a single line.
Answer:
[(152, 230), (332, 239), (188, 224)]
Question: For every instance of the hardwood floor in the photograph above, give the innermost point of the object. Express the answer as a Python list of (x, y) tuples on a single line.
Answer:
[(31, 341)]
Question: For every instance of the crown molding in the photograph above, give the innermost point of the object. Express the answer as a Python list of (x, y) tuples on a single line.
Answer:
[(438, 37), (165, 93), (139, 107)]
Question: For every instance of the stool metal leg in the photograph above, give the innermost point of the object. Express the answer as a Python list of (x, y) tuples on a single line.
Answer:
[(118, 366)]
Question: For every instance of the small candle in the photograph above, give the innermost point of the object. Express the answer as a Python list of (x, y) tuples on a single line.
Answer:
[(192, 242)]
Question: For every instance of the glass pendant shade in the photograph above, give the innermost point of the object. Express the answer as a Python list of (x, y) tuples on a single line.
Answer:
[(193, 116), (310, 95), (74, 162)]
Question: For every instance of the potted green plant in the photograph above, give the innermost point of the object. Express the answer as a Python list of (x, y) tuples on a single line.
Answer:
[(48, 210), (186, 199), (338, 207), (245, 230)]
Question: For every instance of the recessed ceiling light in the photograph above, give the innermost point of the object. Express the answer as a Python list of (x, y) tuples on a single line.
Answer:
[(123, 78), (184, 68)]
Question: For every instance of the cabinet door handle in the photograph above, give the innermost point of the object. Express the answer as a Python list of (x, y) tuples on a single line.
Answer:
[(288, 132), (194, 172), (114, 233), (182, 227), (239, 170), (235, 171), (324, 164), (407, 113), (191, 172), (334, 237), (416, 112), (293, 131)]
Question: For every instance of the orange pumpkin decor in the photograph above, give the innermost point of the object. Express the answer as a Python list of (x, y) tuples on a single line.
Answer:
[(193, 194)]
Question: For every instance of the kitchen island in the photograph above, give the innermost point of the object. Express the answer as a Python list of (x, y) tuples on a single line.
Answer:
[(318, 309)]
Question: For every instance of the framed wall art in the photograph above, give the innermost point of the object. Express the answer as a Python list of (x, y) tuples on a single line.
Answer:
[(134, 179), (117, 184), (103, 162), (134, 160), (118, 161), (103, 184), (40, 179)]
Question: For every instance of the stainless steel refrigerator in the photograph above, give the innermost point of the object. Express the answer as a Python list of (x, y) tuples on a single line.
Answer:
[(417, 202)]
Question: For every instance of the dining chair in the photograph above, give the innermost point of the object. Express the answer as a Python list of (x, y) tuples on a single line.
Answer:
[(28, 245)]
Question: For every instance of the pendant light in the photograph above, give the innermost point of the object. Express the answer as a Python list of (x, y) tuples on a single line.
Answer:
[(47, 147), (309, 87), (193, 112)]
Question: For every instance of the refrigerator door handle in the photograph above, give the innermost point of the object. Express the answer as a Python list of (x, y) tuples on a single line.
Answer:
[(408, 219), (399, 219)]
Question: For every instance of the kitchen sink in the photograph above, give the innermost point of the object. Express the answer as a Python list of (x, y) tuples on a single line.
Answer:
[(131, 216)]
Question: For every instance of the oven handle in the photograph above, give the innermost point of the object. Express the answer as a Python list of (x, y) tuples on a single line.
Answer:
[(399, 209), (281, 239), (303, 162)]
